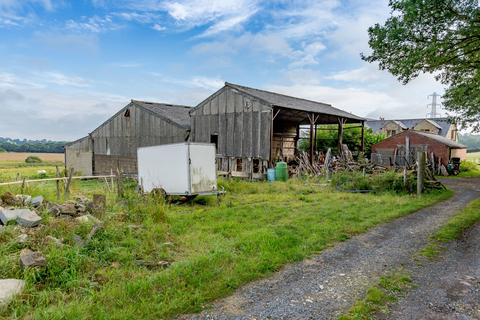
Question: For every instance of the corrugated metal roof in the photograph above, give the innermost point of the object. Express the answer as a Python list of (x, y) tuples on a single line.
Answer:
[(284, 101), (176, 113), (443, 140), (442, 123)]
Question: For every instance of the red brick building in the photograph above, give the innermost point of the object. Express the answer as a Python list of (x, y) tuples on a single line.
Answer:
[(402, 147)]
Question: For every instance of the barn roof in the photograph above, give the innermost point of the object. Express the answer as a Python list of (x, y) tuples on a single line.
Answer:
[(174, 113), (284, 101)]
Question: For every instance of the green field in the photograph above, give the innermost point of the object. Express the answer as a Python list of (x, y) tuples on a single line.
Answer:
[(211, 249), (474, 156)]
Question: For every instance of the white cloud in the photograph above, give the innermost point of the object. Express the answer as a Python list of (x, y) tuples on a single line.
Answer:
[(222, 15), (383, 96), (40, 112), (158, 27), (127, 65), (15, 13), (362, 74), (61, 79), (93, 24), (209, 83), (139, 17)]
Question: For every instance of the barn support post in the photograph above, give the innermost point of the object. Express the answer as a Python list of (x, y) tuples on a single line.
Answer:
[(310, 117), (274, 115), (297, 138), (315, 138), (362, 142), (341, 122)]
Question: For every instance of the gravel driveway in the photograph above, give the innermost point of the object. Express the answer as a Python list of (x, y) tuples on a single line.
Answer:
[(448, 288), (328, 284)]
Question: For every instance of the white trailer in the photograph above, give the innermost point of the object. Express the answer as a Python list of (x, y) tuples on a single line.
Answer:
[(178, 169)]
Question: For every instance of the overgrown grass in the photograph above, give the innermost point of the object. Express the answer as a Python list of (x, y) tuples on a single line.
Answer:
[(453, 229), (469, 169), (389, 181), (213, 249), (379, 296)]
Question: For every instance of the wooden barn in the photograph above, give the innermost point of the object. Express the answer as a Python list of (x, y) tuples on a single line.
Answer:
[(252, 127), (114, 143)]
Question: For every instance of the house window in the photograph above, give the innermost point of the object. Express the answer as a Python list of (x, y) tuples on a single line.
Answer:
[(391, 132), (426, 130), (127, 113)]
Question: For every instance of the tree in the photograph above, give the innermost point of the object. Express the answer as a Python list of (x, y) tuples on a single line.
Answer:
[(441, 37), (327, 137)]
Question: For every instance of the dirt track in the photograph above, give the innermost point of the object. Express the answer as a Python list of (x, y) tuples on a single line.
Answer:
[(328, 284)]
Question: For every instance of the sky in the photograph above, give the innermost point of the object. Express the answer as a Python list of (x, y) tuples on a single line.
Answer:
[(67, 66)]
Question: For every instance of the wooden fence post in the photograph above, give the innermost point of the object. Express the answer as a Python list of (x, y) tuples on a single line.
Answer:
[(67, 184), (421, 158), (57, 175), (119, 183)]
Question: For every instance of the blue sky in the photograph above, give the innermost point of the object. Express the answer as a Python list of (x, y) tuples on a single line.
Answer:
[(66, 66)]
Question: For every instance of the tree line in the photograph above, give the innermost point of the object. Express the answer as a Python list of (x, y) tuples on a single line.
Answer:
[(25, 145)]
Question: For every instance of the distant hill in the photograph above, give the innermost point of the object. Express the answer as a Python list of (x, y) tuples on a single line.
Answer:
[(24, 145), (472, 141)]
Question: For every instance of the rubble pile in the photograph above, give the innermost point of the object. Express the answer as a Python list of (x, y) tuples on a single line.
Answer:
[(22, 211)]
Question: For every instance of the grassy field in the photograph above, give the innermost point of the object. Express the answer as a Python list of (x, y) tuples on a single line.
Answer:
[(17, 157), (211, 249), (13, 166), (474, 156)]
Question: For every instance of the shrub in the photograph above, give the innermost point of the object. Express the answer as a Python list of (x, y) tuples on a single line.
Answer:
[(467, 166), (469, 169), (351, 181), (389, 181), (33, 159)]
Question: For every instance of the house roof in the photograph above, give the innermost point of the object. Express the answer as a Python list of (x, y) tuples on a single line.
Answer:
[(452, 144), (442, 123), (284, 101), (177, 114), (434, 123), (399, 123)]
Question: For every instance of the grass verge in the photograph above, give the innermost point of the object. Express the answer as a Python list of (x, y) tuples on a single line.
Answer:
[(452, 230), (379, 296), (212, 250)]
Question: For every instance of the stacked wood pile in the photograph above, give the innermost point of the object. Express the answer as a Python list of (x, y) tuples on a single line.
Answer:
[(325, 164)]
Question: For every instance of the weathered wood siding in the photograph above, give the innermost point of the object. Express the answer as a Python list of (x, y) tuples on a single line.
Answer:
[(78, 155), (242, 123), (122, 136), (115, 142)]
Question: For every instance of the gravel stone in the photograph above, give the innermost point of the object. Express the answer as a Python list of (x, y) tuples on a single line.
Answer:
[(448, 287)]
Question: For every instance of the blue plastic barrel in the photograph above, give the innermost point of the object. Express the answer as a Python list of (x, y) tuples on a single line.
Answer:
[(271, 174)]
